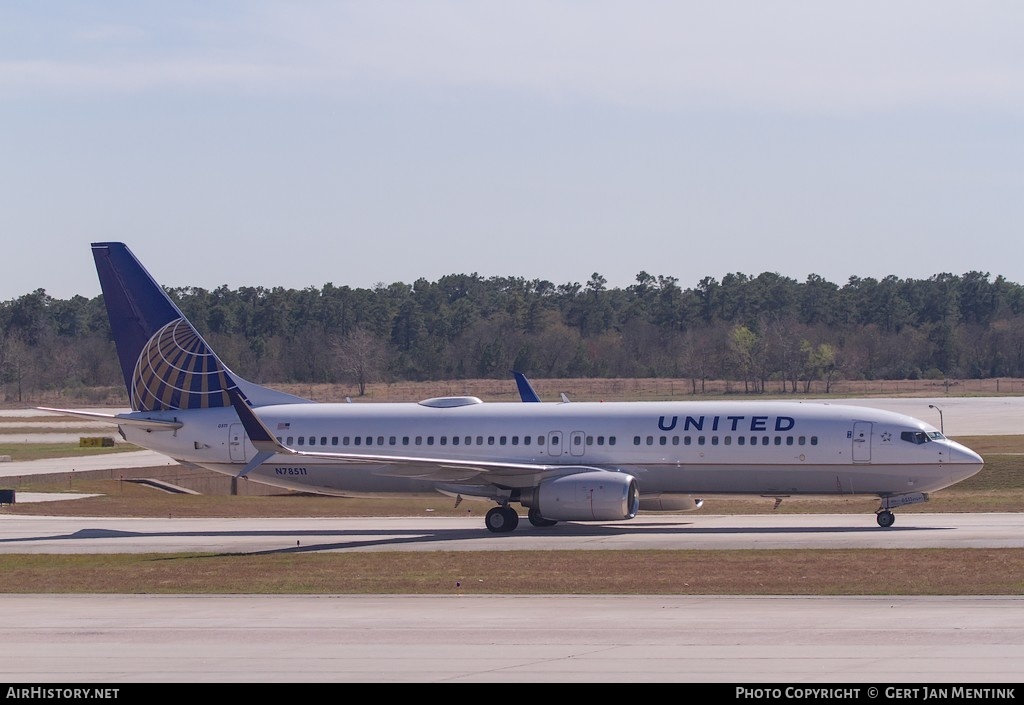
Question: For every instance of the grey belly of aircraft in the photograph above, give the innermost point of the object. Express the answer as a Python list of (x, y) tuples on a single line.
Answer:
[(376, 479), (806, 480)]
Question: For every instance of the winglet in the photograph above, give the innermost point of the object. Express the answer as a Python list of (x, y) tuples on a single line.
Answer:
[(526, 391)]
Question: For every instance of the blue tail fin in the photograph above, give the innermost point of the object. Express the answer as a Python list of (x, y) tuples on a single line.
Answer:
[(166, 364)]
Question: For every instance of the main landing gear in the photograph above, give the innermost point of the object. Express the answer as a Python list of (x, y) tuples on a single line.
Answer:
[(885, 518), (503, 519)]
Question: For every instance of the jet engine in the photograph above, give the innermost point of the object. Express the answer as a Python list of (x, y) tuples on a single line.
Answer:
[(588, 496)]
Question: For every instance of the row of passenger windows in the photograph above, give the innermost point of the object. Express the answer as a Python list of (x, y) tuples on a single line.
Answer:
[(541, 440), (440, 440), (724, 440)]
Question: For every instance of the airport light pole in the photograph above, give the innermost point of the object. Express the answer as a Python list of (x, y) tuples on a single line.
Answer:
[(942, 428)]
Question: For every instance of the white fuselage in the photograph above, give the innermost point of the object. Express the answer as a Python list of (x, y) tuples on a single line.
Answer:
[(700, 448)]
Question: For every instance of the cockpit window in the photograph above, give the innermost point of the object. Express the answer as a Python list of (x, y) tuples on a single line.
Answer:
[(916, 437), (936, 436)]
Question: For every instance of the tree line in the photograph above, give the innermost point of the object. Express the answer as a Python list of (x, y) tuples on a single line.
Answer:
[(749, 329)]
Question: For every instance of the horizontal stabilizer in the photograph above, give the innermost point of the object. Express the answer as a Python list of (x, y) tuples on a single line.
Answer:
[(137, 422)]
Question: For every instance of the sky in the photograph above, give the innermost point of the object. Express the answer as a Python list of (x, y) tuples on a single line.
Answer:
[(295, 144)]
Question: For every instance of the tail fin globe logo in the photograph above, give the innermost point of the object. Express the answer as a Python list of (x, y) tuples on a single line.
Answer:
[(177, 370)]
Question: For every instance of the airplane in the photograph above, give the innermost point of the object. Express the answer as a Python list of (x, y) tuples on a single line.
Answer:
[(562, 462)]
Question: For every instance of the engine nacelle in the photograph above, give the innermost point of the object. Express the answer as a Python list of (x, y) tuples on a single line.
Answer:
[(666, 502), (589, 496)]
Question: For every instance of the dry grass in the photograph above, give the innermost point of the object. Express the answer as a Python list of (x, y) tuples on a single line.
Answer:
[(736, 572)]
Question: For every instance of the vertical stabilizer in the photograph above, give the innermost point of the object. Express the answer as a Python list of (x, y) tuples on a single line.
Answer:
[(165, 362)]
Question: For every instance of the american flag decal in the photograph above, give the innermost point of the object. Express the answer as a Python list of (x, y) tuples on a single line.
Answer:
[(283, 426)]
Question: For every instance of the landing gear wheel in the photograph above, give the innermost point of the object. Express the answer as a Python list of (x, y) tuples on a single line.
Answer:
[(537, 520), (886, 519), (501, 520)]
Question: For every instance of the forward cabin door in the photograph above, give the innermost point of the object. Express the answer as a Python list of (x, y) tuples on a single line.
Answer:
[(862, 442)]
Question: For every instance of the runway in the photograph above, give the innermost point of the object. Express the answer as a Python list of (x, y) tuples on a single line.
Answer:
[(43, 534), (873, 641)]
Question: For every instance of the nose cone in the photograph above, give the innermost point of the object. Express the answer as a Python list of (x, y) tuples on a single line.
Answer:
[(964, 460)]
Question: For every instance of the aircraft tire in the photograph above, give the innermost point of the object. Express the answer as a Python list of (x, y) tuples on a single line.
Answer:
[(501, 520), (886, 519)]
